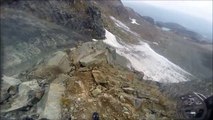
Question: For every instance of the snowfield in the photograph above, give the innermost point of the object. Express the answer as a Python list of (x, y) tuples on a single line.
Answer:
[(144, 59)]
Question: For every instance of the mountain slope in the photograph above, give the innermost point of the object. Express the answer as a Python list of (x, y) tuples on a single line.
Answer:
[(43, 28), (122, 73), (83, 80)]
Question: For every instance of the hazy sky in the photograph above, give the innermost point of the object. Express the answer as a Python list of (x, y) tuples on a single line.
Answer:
[(197, 8)]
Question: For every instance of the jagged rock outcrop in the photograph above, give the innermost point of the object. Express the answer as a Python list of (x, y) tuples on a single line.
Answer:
[(95, 22)]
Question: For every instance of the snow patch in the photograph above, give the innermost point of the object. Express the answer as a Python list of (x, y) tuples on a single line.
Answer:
[(122, 25), (165, 29), (134, 21), (111, 40), (94, 40), (146, 60)]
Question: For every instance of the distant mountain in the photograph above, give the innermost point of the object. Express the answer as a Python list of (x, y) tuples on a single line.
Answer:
[(178, 29), (192, 23)]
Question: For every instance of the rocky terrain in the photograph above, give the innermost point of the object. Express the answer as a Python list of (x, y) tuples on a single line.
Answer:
[(55, 25), (65, 59), (45, 28), (74, 83)]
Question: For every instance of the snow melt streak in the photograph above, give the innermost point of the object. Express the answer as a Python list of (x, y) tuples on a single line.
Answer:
[(144, 59)]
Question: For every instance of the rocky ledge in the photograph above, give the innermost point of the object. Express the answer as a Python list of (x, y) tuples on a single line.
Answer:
[(74, 83)]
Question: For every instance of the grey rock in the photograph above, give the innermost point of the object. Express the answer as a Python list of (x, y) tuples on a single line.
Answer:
[(61, 60), (93, 59), (49, 107), (8, 83), (27, 93), (111, 55), (95, 22)]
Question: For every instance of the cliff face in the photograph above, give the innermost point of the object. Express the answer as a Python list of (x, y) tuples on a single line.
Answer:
[(72, 14), (32, 29)]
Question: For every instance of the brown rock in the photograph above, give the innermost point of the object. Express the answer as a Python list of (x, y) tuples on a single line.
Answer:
[(98, 77)]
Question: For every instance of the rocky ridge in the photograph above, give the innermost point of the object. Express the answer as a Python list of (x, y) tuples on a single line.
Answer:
[(74, 83)]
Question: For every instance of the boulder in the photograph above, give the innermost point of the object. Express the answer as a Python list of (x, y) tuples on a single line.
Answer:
[(93, 59), (29, 93), (50, 105), (8, 83), (61, 60)]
